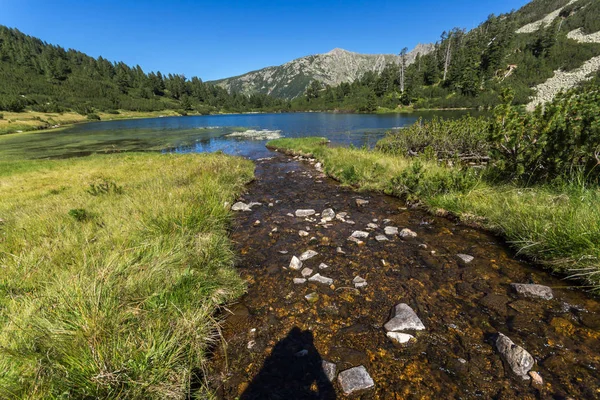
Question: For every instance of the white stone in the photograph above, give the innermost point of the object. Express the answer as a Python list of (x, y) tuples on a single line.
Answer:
[(328, 215), (372, 226), (360, 234), (519, 360), (308, 254), (330, 370), (303, 233), (323, 266), (391, 230), (240, 206), (381, 238), (407, 233), (533, 291), (404, 319), (299, 281), (305, 213), (295, 264), (320, 279), (355, 379), (306, 272), (465, 258), (400, 337)]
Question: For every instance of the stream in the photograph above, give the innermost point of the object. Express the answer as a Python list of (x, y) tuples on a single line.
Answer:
[(290, 339)]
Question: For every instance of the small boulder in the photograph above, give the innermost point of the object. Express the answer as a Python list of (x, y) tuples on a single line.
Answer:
[(360, 234), (404, 319), (359, 282), (320, 279), (391, 230), (361, 202), (519, 360), (381, 238), (323, 266), (465, 258), (295, 264), (308, 254), (400, 337), (240, 206), (339, 250), (302, 233), (328, 214), (306, 272), (532, 291), (299, 281), (373, 226), (407, 234), (305, 213), (330, 370), (355, 380)]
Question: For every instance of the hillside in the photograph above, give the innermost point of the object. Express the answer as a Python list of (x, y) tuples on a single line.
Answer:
[(291, 80), (537, 51), (42, 77)]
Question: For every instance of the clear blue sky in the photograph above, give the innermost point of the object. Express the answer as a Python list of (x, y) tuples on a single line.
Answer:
[(217, 39)]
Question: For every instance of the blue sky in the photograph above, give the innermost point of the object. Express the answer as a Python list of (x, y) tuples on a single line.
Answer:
[(217, 39)]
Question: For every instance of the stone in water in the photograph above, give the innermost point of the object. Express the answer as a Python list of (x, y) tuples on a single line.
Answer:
[(295, 264), (355, 379), (404, 319)]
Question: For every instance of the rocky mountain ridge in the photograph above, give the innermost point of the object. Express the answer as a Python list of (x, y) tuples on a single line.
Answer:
[(291, 79)]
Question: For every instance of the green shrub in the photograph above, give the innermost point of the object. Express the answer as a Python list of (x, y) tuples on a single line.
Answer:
[(93, 117)]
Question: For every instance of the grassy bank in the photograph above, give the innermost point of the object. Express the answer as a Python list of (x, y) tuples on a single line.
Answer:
[(112, 269), (556, 226)]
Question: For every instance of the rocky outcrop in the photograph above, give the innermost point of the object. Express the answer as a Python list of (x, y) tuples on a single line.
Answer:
[(548, 19)]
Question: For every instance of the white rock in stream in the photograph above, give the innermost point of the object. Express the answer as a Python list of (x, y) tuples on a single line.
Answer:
[(355, 380), (328, 215), (253, 134), (359, 282), (295, 264), (306, 272), (299, 281), (372, 226), (404, 319), (361, 202), (465, 258), (323, 266), (305, 213), (407, 233), (381, 238), (330, 370), (307, 255), (532, 290), (303, 233), (360, 234), (321, 279), (400, 337), (391, 230), (240, 206), (519, 360)]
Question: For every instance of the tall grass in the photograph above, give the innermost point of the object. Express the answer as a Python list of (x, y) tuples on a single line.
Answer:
[(112, 269), (557, 226)]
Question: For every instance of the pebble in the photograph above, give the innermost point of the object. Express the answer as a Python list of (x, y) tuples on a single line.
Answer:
[(360, 234), (372, 226), (328, 214), (355, 379), (303, 233), (305, 213), (355, 240), (391, 230), (299, 281), (361, 202), (290, 214), (387, 221), (283, 251), (320, 279), (240, 206), (404, 319), (323, 266), (381, 238), (339, 250), (532, 291), (306, 272), (519, 360), (465, 258), (359, 282), (536, 378), (400, 337), (312, 297), (295, 264), (256, 223), (308, 254), (407, 233)]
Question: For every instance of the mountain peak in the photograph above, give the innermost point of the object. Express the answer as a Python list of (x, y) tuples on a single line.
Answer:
[(337, 51)]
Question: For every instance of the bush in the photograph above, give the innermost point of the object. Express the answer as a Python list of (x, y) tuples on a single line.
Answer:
[(1, 116), (93, 117)]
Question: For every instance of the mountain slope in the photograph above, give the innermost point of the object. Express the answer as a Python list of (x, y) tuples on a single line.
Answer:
[(290, 80)]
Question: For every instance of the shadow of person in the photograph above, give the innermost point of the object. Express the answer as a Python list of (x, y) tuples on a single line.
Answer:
[(293, 371)]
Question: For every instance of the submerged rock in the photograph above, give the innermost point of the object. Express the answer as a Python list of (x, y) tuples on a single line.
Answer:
[(330, 370), (320, 279), (360, 234), (359, 282), (323, 266), (303, 233), (328, 214), (391, 230), (465, 258), (404, 319), (339, 250), (305, 213), (361, 202), (407, 234), (519, 360), (532, 290), (381, 238), (312, 297), (240, 206), (308, 254), (306, 272), (400, 337), (355, 380), (299, 281), (295, 264), (372, 225)]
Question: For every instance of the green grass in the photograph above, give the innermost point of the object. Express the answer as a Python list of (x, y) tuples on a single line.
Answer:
[(112, 270), (559, 227)]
